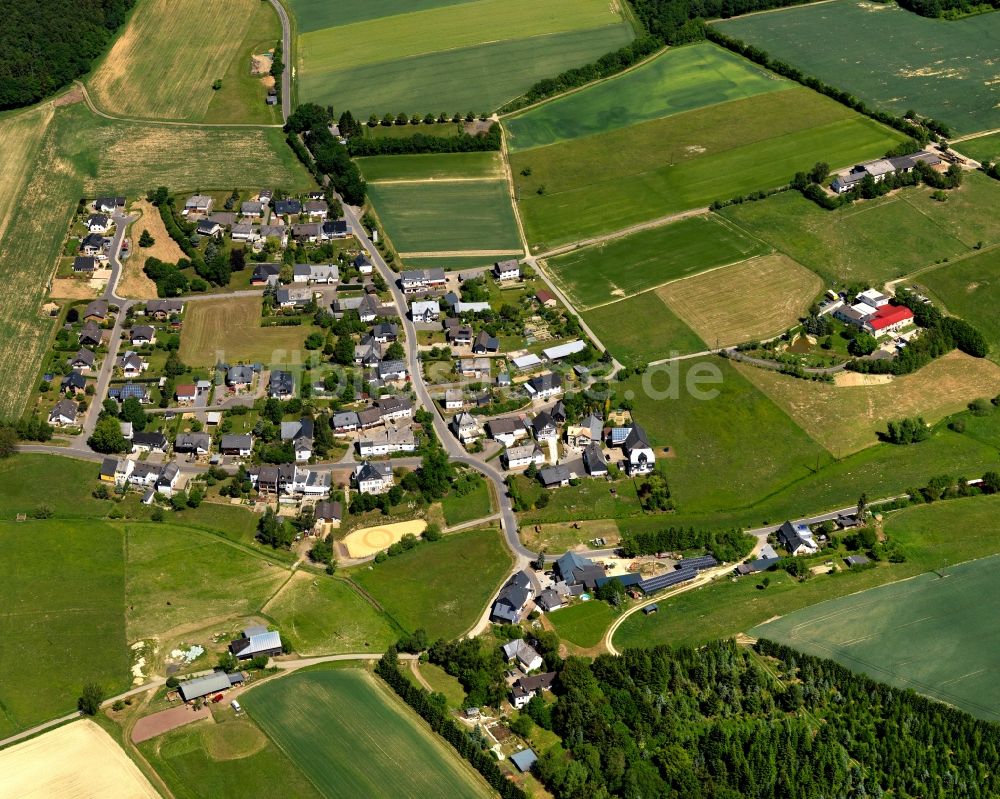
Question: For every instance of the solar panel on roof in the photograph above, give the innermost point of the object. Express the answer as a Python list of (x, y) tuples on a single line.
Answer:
[(667, 580), (701, 562)]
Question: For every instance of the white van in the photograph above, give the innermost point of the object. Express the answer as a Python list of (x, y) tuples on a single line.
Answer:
[(236, 706)]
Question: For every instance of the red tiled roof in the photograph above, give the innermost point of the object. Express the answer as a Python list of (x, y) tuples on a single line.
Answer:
[(184, 390), (890, 315)]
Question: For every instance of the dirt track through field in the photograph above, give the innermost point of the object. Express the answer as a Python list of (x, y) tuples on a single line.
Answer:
[(78, 761)]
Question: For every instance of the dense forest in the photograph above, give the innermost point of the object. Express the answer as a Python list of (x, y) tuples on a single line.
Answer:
[(48, 43), (722, 722), (948, 8)]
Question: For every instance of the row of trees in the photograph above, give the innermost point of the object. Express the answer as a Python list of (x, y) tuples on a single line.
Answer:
[(949, 9), (726, 545), (328, 156), (48, 43), (423, 143)]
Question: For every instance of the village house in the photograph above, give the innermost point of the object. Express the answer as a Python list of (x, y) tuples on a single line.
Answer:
[(373, 477), (74, 382), (395, 407), (545, 298), (589, 429), (391, 371), (197, 204), (370, 308), (97, 223), (387, 442), (458, 335), (506, 270), (311, 232), (576, 570), (368, 352), (328, 513), (797, 539), (555, 476), (252, 208), (544, 386), (363, 264), (594, 461), (300, 433), (417, 280), (163, 309), (130, 391), (281, 385), (507, 430), (131, 364), (287, 207), (385, 332), (84, 264), (454, 399), (92, 244), (109, 205), (425, 311), (245, 231), (293, 297), (485, 344), (96, 310), (523, 653), (543, 427), (149, 441), (337, 229), (206, 227), (316, 209), (195, 443), (888, 319), (308, 483), (639, 455), (345, 422), (265, 274), (240, 445), (84, 359), (315, 273), (239, 377), (63, 414), (476, 368), (526, 688), (522, 456), (91, 334), (466, 428), (141, 335), (278, 233), (369, 417), (510, 603), (186, 393)]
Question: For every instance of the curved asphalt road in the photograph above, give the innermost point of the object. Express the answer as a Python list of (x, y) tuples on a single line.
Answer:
[(286, 73)]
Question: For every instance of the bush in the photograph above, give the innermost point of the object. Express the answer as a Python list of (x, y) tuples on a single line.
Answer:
[(90, 699), (172, 682)]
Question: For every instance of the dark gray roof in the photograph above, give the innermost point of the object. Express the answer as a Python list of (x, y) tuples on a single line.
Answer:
[(593, 458), (553, 475), (637, 439)]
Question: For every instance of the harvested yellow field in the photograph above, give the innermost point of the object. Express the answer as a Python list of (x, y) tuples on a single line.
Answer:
[(229, 331), (164, 63), (78, 761), (847, 418), (20, 135), (368, 541), (133, 282), (754, 299)]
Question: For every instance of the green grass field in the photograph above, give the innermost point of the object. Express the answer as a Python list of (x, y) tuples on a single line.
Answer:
[(351, 737), (685, 161), (857, 243), (908, 633), (477, 504), (583, 624), (445, 130), (897, 60), (418, 588), (449, 264), (681, 79), (442, 682), (321, 616), (218, 760), (432, 166), (660, 334), (591, 499), (982, 148), (447, 217), (178, 579), (311, 15), (456, 56), (623, 267), (933, 537), (62, 617), (970, 288)]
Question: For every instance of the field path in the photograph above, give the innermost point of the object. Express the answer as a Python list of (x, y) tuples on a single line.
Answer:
[(168, 123)]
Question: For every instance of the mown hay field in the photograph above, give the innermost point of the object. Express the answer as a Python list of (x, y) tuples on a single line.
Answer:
[(685, 161), (982, 148), (351, 737), (442, 217), (625, 266), (20, 136), (163, 64), (859, 243), (322, 616), (751, 300), (228, 330), (933, 537), (642, 329), (454, 57), (312, 15), (62, 617), (431, 166), (677, 80), (897, 60), (78, 761), (415, 588), (134, 282), (845, 419), (970, 288), (908, 633)]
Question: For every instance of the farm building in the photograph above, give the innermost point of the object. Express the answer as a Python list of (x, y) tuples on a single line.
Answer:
[(209, 684), (888, 319), (257, 641)]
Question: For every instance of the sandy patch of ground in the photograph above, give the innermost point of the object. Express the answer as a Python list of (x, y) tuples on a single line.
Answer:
[(847, 379), (370, 540), (78, 761), (166, 720), (133, 282), (68, 288), (268, 81)]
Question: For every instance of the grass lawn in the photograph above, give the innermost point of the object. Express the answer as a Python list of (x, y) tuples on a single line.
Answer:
[(561, 536), (457, 56), (685, 161), (449, 264), (311, 715), (661, 335), (431, 166), (229, 330), (322, 616), (933, 537), (679, 79), (209, 759), (583, 624), (845, 419), (441, 217), (982, 148), (591, 499), (752, 300), (442, 682), (898, 60), (418, 588), (622, 267), (22, 476), (907, 633), (970, 288), (474, 505), (178, 580), (62, 617), (394, 131), (167, 39), (855, 243)]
